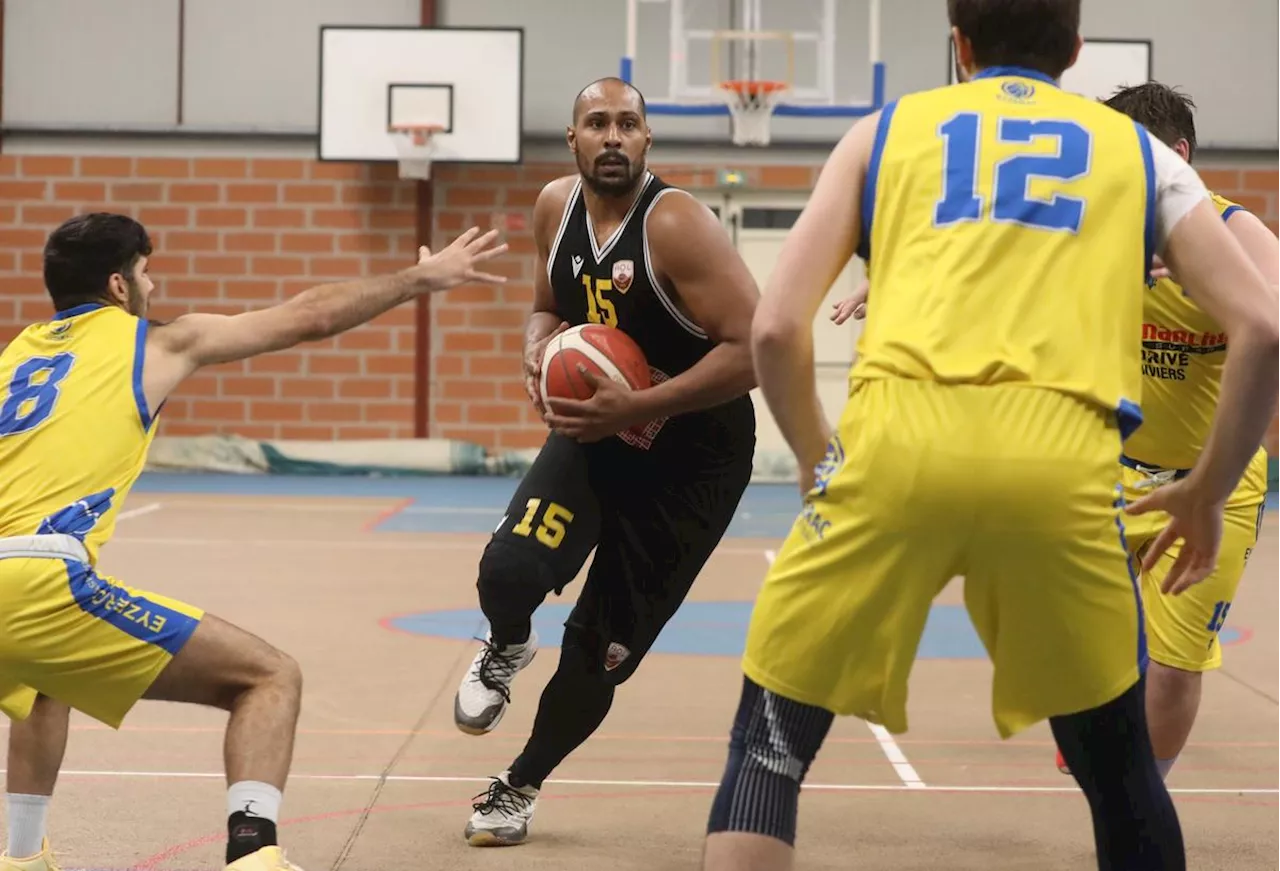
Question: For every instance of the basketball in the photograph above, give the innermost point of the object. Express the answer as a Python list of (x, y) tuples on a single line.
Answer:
[(603, 351)]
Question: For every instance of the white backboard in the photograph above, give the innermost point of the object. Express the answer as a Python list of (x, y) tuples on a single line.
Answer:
[(1104, 66), (468, 80)]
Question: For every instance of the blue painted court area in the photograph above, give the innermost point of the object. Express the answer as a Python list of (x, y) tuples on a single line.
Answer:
[(704, 629), (445, 504), (475, 504)]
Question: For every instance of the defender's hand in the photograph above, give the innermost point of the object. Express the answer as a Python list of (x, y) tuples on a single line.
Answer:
[(533, 354), (610, 409), (1197, 523), (1159, 270), (854, 306), (814, 456), (458, 263)]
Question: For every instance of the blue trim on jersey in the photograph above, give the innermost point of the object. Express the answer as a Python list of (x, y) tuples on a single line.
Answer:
[(80, 517), (873, 175), (1128, 417), (78, 310), (1149, 234), (1231, 210), (139, 358), (1133, 580), (136, 616), (1020, 72)]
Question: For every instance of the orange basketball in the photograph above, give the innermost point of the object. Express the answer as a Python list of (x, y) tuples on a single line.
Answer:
[(603, 351)]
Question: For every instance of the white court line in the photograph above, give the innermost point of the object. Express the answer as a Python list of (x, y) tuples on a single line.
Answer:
[(138, 512), (904, 769), (906, 772), (646, 784)]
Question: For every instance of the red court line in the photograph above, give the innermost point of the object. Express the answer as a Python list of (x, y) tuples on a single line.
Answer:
[(386, 514)]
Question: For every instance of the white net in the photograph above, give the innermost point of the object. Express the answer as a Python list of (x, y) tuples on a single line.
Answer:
[(415, 143), (751, 105)]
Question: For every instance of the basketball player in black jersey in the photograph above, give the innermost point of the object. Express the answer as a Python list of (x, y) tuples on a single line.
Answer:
[(650, 479)]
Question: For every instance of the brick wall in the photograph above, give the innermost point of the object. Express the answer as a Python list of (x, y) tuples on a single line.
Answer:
[(234, 234), (237, 233)]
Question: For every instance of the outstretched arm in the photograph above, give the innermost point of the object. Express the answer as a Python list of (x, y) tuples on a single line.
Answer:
[(816, 250), (177, 349)]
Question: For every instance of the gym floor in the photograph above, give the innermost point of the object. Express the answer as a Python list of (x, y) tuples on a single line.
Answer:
[(370, 584)]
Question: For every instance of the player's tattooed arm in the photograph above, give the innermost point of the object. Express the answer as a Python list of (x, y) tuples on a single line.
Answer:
[(177, 349), (812, 257), (696, 262)]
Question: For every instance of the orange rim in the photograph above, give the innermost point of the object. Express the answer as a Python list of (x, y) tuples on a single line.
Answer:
[(419, 132), (753, 87)]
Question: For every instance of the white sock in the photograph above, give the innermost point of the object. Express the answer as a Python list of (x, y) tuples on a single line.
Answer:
[(1165, 766), (254, 799), (28, 815)]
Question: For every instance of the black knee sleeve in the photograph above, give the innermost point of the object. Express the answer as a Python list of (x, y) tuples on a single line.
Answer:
[(773, 743), (512, 584), (1109, 752)]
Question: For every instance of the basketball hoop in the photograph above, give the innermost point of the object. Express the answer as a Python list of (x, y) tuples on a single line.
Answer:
[(751, 104), (416, 146)]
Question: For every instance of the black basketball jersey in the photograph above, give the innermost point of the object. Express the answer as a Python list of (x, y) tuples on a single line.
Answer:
[(614, 283)]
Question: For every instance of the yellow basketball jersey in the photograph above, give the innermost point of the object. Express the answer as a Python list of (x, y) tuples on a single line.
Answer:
[(1183, 352), (74, 423), (1000, 216)]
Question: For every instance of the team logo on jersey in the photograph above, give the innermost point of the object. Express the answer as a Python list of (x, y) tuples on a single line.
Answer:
[(830, 464), (577, 264), (615, 656), (1018, 90), (60, 329), (623, 272)]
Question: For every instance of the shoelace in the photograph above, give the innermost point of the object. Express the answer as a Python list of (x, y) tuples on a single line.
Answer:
[(496, 670), (501, 797)]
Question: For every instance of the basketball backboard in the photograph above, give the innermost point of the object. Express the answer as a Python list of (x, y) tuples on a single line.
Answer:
[(1104, 66), (718, 46), (467, 81)]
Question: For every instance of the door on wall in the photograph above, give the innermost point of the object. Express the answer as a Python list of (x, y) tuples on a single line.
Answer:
[(759, 227)]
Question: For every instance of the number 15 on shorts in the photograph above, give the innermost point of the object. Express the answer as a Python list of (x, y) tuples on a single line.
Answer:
[(550, 530)]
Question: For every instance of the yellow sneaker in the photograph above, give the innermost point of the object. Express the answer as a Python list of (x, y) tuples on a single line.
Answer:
[(41, 862), (266, 859)]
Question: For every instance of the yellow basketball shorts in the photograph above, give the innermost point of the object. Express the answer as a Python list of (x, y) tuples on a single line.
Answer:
[(1017, 489), (1182, 631), (82, 638)]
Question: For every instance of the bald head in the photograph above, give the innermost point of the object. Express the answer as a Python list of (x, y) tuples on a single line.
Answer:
[(609, 90)]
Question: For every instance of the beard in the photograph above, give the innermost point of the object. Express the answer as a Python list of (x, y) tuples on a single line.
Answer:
[(617, 183), (136, 304)]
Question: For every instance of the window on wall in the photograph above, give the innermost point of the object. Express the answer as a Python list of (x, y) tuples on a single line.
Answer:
[(769, 219)]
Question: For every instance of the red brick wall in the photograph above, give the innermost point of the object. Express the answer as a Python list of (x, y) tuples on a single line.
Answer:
[(239, 233), (234, 234)]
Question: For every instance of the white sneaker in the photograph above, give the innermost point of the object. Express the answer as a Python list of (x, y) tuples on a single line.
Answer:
[(485, 692), (502, 814)]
